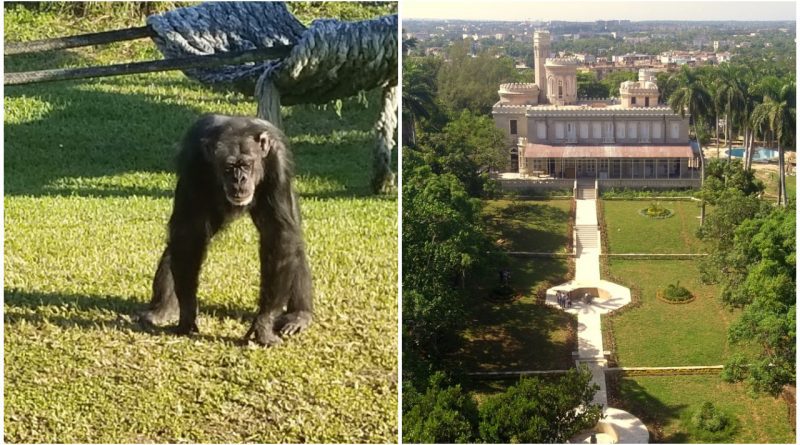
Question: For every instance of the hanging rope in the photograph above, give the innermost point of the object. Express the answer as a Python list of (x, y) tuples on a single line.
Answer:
[(330, 60)]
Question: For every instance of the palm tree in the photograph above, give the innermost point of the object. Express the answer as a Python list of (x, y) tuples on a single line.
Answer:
[(418, 101), (691, 96), (780, 115), (713, 86), (731, 90)]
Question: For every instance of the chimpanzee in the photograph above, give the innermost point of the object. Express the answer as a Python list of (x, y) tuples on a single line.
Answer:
[(229, 166)]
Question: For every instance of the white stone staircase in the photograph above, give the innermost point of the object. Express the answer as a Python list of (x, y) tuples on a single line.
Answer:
[(586, 237)]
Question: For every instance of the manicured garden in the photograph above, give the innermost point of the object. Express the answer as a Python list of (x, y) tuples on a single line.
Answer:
[(659, 333), (666, 404), (631, 232), (520, 225), (88, 187)]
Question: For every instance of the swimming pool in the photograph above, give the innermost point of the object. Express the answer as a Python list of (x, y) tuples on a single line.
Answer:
[(760, 154)]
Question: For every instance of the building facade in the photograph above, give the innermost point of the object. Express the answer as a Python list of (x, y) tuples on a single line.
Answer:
[(633, 141)]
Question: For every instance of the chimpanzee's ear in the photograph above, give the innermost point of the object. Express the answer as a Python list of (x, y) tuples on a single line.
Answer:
[(265, 141)]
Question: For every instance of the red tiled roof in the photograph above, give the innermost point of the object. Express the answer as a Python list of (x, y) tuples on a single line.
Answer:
[(538, 151)]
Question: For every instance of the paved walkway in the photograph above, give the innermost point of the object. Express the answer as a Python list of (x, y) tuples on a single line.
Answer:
[(617, 426)]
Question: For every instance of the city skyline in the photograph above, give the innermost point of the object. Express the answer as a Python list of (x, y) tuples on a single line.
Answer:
[(590, 11)]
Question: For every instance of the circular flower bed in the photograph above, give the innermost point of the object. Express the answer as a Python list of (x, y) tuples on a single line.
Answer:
[(675, 294), (656, 211)]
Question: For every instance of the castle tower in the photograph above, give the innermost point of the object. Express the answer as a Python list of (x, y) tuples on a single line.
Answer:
[(562, 82), (541, 50)]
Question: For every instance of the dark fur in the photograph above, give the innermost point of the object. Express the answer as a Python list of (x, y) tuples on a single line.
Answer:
[(222, 162)]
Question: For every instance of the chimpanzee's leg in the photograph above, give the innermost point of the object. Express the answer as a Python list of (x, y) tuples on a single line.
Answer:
[(163, 306), (187, 245), (285, 275)]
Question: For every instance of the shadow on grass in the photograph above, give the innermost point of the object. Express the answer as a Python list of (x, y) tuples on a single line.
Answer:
[(530, 226), (522, 334), (76, 135), (628, 395), (69, 311)]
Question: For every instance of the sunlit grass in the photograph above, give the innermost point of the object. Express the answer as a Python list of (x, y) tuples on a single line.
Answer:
[(88, 183)]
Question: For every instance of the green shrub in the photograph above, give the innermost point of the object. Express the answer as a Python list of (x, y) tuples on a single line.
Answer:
[(656, 210), (709, 424), (441, 414), (675, 292), (627, 193)]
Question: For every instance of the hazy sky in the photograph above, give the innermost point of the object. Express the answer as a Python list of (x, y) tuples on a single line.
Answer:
[(599, 10)]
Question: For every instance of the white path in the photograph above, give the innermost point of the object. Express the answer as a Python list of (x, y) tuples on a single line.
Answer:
[(617, 426)]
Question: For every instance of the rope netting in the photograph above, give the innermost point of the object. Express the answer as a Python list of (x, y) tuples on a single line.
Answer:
[(330, 60)]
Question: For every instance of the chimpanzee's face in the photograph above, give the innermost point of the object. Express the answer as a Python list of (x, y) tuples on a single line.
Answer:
[(239, 164)]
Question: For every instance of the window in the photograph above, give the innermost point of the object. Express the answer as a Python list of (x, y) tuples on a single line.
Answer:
[(674, 130), (632, 130), (633, 100), (559, 130), (657, 130), (560, 89), (584, 129), (541, 131), (646, 101), (513, 124)]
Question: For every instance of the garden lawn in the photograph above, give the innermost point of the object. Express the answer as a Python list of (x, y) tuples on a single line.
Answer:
[(528, 225), (630, 232), (88, 187), (663, 334), (664, 402), (518, 335)]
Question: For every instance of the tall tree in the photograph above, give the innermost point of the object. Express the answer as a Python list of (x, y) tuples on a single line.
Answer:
[(418, 99), (780, 115), (470, 83), (761, 278), (731, 90), (690, 96)]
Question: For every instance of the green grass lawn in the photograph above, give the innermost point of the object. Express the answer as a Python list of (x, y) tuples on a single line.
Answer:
[(662, 402), (529, 225), (662, 334), (518, 335), (88, 186), (629, 232)]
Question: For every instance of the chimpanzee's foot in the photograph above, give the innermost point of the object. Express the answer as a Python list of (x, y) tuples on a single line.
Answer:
[(186, 328), (293, 323), (160, 315), (262, 333)]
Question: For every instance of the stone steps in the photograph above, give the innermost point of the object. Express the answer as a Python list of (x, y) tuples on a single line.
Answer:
[(586, 237)]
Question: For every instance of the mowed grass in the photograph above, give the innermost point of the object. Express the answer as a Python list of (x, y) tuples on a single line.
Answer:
[(663, 334), (88, 187), (528, 225), (630, 232), (518, 335), (663, 402)]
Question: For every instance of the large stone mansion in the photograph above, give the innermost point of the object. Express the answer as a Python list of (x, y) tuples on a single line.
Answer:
[(633, 141)]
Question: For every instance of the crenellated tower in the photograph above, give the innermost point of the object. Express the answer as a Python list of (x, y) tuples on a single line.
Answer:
[(541, 50)]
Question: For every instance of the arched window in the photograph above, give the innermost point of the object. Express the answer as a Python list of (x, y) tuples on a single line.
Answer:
[(560, 89)]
